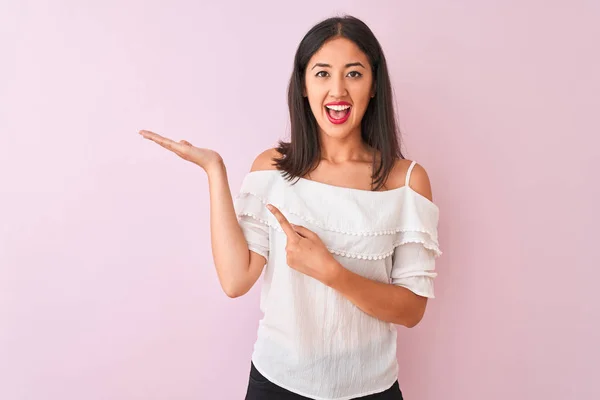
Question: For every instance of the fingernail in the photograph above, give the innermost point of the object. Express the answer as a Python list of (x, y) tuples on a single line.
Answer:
[(270, 207)]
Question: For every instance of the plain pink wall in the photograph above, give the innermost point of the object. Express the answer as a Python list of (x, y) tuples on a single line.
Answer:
[(107, 286)]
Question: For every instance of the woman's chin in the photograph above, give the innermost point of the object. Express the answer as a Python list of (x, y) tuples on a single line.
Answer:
[(338, 132)]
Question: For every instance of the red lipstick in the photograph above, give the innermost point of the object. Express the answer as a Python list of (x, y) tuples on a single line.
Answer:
[(344, 118)]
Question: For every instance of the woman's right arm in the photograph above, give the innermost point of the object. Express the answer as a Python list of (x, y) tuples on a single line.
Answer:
[(237, 267)]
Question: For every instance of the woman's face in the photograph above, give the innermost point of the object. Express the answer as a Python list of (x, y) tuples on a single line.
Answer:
[(339, 86)]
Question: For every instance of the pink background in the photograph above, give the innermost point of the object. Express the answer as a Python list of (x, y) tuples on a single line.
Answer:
[(107, 286)]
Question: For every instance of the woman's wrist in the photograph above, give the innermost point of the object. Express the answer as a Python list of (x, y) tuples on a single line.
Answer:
[(215, 168)]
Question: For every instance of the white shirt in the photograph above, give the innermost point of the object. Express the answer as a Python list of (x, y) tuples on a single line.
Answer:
[(312, 340)]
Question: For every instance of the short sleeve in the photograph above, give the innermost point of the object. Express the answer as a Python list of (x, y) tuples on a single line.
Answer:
[(417, 246), (256, 234), (413, 267), (252, 215)]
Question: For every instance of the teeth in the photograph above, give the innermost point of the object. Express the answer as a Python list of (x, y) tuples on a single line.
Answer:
[(338, 108)]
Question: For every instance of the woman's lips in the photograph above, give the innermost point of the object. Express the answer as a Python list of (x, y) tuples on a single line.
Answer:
[(338, 121)]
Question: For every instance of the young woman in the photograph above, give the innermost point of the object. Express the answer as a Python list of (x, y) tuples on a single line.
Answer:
[(342, 225)]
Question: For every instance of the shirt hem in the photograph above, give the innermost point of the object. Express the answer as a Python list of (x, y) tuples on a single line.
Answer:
[(312, 396)]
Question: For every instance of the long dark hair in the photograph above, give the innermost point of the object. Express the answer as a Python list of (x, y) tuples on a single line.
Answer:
[(302, 153)]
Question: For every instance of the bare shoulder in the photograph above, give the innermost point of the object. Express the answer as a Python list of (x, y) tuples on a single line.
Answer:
[(419, 179), (264, 161)]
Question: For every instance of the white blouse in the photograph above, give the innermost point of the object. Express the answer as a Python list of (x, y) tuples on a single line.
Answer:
[(312, 340)]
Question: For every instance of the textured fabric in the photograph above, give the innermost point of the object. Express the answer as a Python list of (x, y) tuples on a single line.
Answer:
[(260, 388), (312, 340)]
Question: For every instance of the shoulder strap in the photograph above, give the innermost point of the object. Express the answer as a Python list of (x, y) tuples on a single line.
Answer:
[(412, 164)]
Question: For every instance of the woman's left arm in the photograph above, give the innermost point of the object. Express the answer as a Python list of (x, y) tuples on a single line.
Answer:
[(388, 302), (306, 253), (383, 301)]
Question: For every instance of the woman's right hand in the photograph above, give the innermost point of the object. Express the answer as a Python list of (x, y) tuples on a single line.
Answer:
[(237, 267), (205, 158)]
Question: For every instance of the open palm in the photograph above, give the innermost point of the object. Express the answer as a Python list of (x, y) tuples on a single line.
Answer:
[(184, 149)]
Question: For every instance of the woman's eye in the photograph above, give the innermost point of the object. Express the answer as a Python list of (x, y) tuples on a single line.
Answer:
[(351, 74)]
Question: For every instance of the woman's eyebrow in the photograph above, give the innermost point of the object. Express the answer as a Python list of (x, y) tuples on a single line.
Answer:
[(322, 65)]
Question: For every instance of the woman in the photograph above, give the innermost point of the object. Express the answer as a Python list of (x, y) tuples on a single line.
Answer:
[(344, 225)]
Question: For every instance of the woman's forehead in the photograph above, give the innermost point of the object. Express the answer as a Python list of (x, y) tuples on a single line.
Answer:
[(338, 52)]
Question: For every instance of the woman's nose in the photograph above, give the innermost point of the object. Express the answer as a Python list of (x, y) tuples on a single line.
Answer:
[(338, 88)]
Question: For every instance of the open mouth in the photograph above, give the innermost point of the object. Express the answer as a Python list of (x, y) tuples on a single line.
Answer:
[(338, 114)]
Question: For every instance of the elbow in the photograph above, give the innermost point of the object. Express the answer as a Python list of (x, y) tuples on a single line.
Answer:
[(408, 321), (235, 289), (233, 292), (412, 323), (413, 318), (232, 283)]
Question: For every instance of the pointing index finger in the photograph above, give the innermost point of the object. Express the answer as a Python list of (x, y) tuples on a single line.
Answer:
[(284, 223)]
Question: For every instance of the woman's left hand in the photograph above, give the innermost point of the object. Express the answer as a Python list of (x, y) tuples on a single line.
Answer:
[(306, 252)]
